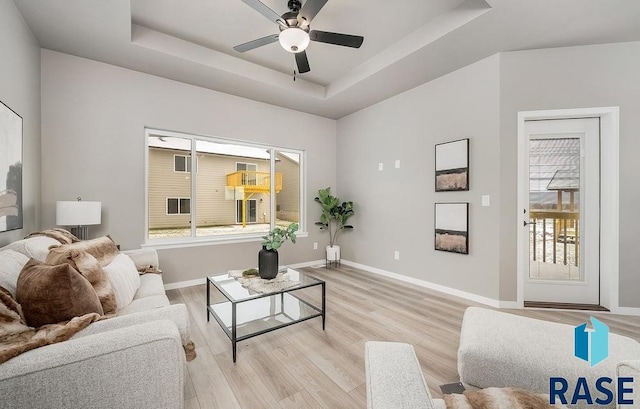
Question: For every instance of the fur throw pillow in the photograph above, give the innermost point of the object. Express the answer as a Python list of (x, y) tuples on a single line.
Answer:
[(102, 248), (16, 337), (52, 294), (499, 398), (88, 266)]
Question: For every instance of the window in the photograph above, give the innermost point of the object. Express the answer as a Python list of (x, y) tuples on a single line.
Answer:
[(233, 192), (178, 205), (182, 163)]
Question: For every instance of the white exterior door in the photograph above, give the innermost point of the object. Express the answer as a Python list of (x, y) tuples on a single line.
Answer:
[(561, 217)]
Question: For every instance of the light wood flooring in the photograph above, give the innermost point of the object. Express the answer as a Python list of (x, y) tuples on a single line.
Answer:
[(301, 366)]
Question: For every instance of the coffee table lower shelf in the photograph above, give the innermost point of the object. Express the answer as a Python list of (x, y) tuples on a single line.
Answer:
[(245, 319)]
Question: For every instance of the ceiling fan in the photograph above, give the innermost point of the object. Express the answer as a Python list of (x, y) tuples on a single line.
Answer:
[(295, 31)]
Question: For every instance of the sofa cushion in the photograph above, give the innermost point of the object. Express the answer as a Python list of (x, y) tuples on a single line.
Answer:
[(150, 285), (124, 279), (88, 266), (11, 263), (506, 350), (145, 304), (33, 247), (52, 294)]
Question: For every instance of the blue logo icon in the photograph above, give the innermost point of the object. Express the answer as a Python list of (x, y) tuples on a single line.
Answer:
[(592, 345)]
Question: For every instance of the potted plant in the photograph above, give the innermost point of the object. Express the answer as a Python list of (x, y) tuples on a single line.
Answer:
[(333, 219), (268, 256)]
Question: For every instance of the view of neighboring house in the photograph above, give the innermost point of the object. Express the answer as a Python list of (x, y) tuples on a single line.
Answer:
[(232, 185)]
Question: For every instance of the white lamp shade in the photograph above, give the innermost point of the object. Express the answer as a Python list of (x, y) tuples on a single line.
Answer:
[(294, 40), (78, 213)]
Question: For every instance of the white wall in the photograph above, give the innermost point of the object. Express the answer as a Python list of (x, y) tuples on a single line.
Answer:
[(20, 91), (480, 101), (394, 208), (93, 120), (574, 77)]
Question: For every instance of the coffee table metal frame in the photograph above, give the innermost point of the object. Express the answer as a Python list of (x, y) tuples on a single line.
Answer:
[(232, 332)]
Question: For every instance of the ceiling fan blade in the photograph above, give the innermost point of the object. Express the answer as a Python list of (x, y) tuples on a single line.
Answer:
[(256, 43), (309, 10), (303, 62), (261, 8), (346, 40)]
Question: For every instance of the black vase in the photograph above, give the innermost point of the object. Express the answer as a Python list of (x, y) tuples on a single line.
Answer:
[(267, 263)]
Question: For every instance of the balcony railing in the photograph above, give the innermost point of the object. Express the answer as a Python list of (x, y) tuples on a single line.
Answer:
[(555, 230), (253, 181)]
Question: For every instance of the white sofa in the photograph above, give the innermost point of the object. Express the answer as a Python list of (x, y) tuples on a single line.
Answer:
[(498, 350), (133, 360)]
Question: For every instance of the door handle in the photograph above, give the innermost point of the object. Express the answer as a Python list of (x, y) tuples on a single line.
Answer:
[(525, 223)]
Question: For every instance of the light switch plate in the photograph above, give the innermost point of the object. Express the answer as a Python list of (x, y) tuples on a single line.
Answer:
[(397, 163), (486, 200), (380, 166)]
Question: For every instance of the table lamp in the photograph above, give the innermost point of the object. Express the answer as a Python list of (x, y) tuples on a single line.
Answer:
[(80, 214)]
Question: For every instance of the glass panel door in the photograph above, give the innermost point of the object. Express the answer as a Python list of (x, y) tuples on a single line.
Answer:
[(554, 208), (562, 218)]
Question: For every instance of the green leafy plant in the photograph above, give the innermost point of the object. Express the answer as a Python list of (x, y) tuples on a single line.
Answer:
[(276, 237), (334, 214)]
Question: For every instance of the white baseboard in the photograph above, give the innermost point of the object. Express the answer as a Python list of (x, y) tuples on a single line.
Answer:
[(514, 305), (626, 311), (190, 283), (307, 264), (183, 284), (433, 286)]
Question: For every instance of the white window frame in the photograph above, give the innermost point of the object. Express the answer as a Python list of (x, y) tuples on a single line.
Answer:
[(186, 161), (179, 206), (194, 240)]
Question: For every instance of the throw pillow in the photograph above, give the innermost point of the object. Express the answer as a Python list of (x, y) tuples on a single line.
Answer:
[(11, 263), (124, 278), (102, 248), (33, 247), (88, 266), (52, 294)]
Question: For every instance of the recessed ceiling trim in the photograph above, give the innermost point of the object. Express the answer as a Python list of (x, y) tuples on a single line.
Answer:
[(176, 47), (422, 37)]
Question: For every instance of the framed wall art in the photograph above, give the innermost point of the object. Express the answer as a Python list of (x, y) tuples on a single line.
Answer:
[(452, 227), (10, 169), (452, 166)]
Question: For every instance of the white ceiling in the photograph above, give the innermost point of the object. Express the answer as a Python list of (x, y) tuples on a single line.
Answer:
[(406, 43)]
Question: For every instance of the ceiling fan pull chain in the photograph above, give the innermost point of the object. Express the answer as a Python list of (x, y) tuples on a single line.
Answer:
[(294, 70)]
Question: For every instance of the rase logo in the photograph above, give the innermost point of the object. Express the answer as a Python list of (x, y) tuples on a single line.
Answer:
[(591, 345)]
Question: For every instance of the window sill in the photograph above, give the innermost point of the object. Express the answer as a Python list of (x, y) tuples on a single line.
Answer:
[(207, 241)]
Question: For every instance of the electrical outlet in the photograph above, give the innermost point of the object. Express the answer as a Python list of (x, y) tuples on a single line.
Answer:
[(315, 245), (486, 200), (380, 166), (396, 255), (397, 163)]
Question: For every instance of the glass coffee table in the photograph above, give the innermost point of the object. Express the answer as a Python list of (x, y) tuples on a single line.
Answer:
[(243, 313)]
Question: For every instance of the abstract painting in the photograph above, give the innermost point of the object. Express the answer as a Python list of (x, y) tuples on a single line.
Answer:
[(452, 227), (452, 166), (10, 169)]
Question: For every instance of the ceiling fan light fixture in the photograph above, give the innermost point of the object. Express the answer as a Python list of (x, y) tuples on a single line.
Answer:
[(294, 39)]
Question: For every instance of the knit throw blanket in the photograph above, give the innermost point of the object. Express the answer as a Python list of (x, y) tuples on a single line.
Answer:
[(499, 398)]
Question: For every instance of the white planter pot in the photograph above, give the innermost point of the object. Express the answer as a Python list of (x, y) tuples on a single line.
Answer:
[(333, 253)]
